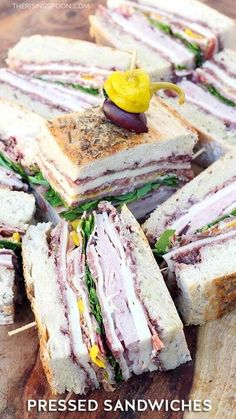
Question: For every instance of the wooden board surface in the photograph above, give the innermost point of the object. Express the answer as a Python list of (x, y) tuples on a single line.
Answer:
[(212, 346)]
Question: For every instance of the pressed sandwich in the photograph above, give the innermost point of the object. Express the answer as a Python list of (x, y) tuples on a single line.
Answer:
[(112, 313), (54, 75), (88, 157), (195, 232), (170, 37), (17, 209), (211, 104), (19, 128)]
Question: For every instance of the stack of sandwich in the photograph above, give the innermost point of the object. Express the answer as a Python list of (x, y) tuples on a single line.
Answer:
[(17, 209), (53, 75), (170, 37), (211, 104), (195, 232), (112, 314), (88, 157)]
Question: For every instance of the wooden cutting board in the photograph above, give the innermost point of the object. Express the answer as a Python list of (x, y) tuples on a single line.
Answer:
[(211, 374)]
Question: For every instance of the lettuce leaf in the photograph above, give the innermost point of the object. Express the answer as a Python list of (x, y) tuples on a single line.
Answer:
[(192, 46), (218, 95), (8, 244), (169, 180), (90, 90), (163, 244), (8, 164), (38, 179), (216, 221), (164, 27)]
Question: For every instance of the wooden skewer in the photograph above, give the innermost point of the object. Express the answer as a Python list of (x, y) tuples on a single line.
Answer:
[(198, 153), (68, 396), (21, 329), (133, 61)]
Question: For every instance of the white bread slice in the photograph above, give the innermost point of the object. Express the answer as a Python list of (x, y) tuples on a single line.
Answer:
[(45, 49), (214, 176), (7, 291), (169, 134), (43, 291), (16, 208), (207, 289), (24, 126), (106, 33), (196, 11), (156, 298)]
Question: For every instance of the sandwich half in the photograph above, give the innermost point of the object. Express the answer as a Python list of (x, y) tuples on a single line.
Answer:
[(175, 36), (88, 157), (19, 128), (17, 209), (53, 75), (113, 315), (195, 232), (211, 104)]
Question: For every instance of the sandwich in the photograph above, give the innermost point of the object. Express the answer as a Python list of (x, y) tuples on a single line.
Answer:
[(211, 104), (195, 232), (88, 158), (19, 129), (54, 75), (175, 36), (106, 313), (17, 209)]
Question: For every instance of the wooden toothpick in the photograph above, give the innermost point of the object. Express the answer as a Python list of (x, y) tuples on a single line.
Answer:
[(198, 153), (133, 61), (21, 329), (68, 396)]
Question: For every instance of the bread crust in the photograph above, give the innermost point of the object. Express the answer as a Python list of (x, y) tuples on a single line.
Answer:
[(221, 296), (97, 34), (42, 330)]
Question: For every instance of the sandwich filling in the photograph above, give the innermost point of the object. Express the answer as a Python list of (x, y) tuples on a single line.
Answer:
[(54, 95), (107, 321)]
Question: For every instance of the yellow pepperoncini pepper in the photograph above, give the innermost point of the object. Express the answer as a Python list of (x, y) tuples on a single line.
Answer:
[(96, 356), (75, 237), (132, 90), (80, 304), (192, 34), (16, 238), (75, 224)]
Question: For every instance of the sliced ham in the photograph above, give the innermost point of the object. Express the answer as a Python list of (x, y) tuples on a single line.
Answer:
[(6, 259), (12, 180), (7, 231), (125, 321), (213, 75), (205, 212), (206, 101)]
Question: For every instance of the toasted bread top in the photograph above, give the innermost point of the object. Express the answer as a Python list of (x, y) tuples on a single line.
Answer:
[(88, 136)]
